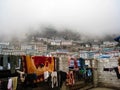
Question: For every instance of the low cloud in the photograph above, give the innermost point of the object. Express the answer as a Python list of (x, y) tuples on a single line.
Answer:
[(88, 17)]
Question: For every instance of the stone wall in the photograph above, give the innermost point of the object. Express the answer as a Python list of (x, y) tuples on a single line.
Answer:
[(106, 74)]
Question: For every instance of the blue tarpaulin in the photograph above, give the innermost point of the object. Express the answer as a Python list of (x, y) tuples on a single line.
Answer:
[(104, 56), (117, 39)]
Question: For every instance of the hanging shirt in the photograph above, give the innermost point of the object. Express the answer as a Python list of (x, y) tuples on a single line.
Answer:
[(46, 75), (54, 79), (9, 86)]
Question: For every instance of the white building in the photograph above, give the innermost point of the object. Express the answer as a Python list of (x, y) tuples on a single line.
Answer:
[(108, 43), (27, 47), (56, 42), (66, 43)]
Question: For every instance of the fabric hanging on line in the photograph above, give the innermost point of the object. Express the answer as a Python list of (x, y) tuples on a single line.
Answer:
[(117, 39), (56, 63), (117, 72), (46, 75), (30, 78), (12, 64), (31, 70), (38, 65), (14, 83), (82, 63), (72, 63), (40, 59), (9, 86), (4, 84), (70, 78), (5, 62), (54, 79), (75, 65), (0, 84), (30, 65), (118, 61), (24, 64), (108, 69), (17, 61), (1, 62), (48, 62), (89, 72), (22, 75), (119, 69), (78, 63), (62, 76)]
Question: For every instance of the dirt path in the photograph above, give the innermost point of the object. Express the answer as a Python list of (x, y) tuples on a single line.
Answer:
[(101, 89)]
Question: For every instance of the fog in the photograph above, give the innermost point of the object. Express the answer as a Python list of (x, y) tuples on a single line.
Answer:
[(88, 17)]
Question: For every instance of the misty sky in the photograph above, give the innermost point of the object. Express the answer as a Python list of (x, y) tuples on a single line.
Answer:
[(92, 17)]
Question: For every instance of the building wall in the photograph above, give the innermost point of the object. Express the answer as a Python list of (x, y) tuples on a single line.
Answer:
[(42, 48), (24, 47)]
